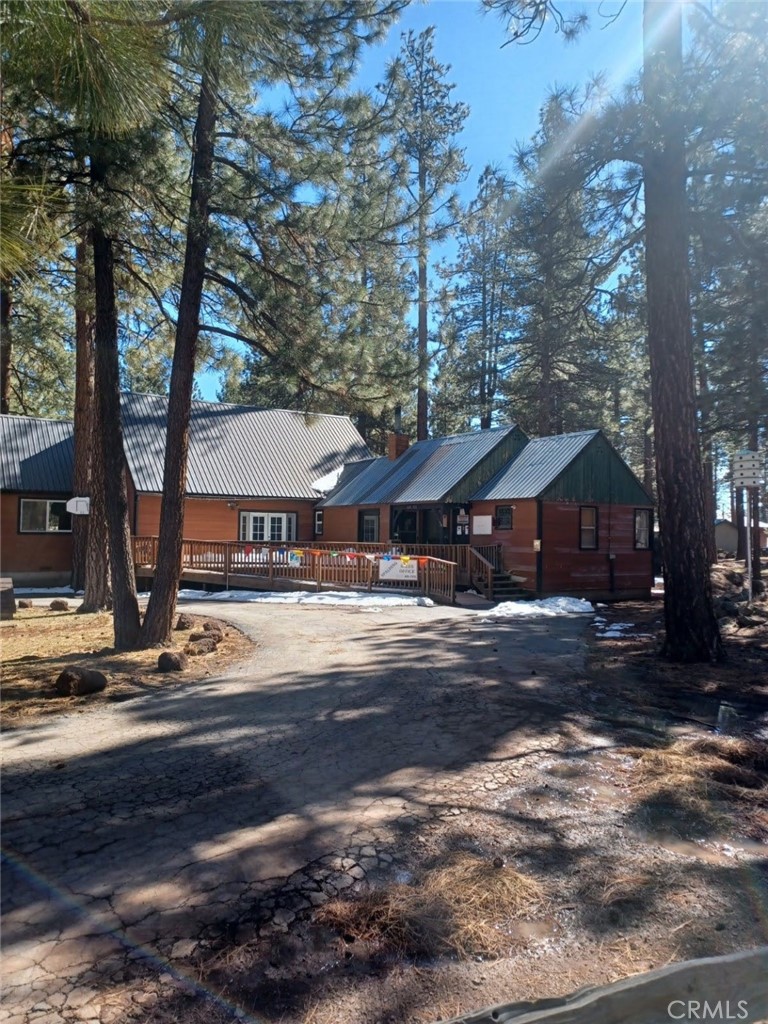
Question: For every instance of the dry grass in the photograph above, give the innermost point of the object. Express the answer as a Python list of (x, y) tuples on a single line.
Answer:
[(461, 908), (698, 772), (38, 643)]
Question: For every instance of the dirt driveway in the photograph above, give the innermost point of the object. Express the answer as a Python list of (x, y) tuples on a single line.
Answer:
[(135, 825)]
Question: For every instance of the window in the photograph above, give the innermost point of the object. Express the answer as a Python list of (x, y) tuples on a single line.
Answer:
[(503, 517), (278, 527), (38, 515), (368, 527), (642, 529), (588, 528), (319, 522)]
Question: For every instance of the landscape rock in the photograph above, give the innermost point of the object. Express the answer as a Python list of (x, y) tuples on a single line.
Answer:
[(185, 622), (197, 647), (172, 661), (24, 602), (213, 634), (76, 682), (59, 604)]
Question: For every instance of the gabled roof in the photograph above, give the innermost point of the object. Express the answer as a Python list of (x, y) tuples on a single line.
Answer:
[(36, 454), (427, 471), (234, 451), (237, 450), (536, 467)]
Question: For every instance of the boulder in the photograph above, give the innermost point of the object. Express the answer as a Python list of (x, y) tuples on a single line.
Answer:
[(76, 682), (172, 661), (59, 604), (24, 602), (214, 627), (185, 622), (7, 598), (207, 645), (207, 634)]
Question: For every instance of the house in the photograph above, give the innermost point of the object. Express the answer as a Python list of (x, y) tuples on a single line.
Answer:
[(559, 515), (553, 515), (250, 477), (417, 494), (570, 518), (726, 537)]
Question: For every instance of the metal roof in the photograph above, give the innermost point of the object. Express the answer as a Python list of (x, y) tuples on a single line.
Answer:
[(36, 455), (240, 451), (427, 471), (540, 462)]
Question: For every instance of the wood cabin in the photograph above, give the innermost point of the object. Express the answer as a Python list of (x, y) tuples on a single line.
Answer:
[(569, 517), (514, 516), (250, 477), (554, 515)]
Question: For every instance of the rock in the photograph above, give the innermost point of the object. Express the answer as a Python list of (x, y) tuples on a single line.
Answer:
[(212, 627), (59, 604), (205, 646), (735, 578), (172, 661), (185, 622), (727, 609), (76, 682), (758, 587), (7, 598), (207, 634), (24, 602), (750, 621)]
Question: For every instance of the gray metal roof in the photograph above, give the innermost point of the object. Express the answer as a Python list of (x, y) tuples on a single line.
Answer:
[(36, 455), (426, 471), (540, 463), (240, 451)]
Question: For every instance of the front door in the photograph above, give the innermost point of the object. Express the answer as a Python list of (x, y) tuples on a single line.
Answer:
[(277, 527), (460, 524)]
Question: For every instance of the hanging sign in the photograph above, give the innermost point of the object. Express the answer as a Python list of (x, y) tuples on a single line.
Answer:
[(396, 569)]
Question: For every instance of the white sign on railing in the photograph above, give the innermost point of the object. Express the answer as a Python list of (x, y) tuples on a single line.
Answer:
[(395, 569)]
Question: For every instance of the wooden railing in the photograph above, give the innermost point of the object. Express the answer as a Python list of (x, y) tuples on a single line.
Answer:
[(340, 565), (481, 572)]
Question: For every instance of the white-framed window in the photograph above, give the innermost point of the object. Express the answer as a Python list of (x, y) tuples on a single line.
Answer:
[(278, 527), (588, 528), (642, 529), (41, 515), (319, 517), (368, 526)]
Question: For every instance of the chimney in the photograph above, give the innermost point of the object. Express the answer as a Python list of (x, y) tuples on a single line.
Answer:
[(397, 443)]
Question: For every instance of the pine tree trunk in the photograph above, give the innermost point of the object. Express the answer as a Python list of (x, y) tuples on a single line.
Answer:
[(97, 596), (422, 396), (158, 621), (5, 345), (83, 429), (107, 377), (691, 627)]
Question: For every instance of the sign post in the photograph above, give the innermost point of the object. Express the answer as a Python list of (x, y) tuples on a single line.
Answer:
[(747, 472)]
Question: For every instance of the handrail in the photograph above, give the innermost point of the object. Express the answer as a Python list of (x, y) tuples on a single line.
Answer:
[(485, 571)]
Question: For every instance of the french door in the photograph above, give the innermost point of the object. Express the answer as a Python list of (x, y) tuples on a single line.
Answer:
[(277, 527)]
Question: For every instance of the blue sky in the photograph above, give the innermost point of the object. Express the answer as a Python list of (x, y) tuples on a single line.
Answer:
[(504, 86)]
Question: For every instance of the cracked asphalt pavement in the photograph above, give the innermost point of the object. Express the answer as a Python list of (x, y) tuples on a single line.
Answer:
[(130, 829)]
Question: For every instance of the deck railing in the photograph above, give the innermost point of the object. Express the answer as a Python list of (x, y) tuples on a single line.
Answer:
[(481, 572), (339, 565)]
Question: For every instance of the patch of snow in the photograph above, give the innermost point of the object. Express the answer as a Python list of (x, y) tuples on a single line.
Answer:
[(329, 598), (328, 482), (548, 606)]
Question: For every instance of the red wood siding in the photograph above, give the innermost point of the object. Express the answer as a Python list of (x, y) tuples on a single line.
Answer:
[(517, 552), (566, 569), (212, 519), (31, 552), (341, 523)]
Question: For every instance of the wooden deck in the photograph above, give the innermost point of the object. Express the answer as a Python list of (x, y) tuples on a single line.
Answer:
[(242, 565)]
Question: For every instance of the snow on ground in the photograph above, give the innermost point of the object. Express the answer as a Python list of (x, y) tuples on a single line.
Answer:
[(336, 598), (548, 606), (616, 630)]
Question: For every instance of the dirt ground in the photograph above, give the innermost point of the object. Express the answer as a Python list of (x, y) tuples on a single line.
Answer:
[(38, 643), (640, 821)]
